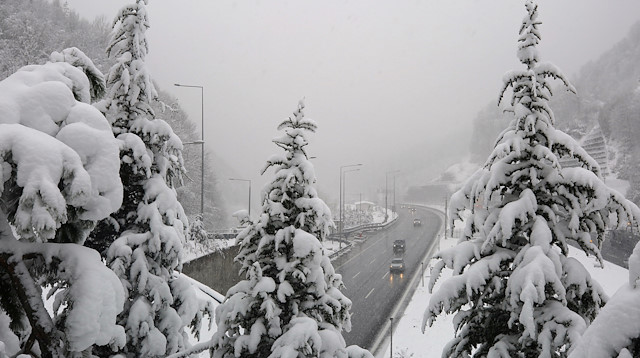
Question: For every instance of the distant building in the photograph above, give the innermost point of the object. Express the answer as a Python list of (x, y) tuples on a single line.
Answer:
[(593, 143)]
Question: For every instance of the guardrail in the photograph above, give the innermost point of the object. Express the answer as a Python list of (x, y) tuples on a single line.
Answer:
[(365, 227), (372, 226)]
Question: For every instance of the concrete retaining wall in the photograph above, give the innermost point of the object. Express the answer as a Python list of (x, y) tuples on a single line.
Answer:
[(216, 270)]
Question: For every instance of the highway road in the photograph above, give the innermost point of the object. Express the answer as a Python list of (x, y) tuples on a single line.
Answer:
[(365, 271)]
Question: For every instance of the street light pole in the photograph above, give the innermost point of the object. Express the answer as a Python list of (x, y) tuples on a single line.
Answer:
[(341, 200), (386, 192), (394, 192), (344, 184), (202, 144), (446, 220), (249, 181), (391, 337)]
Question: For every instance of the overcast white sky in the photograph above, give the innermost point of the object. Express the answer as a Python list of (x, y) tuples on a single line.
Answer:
[(387, 81)]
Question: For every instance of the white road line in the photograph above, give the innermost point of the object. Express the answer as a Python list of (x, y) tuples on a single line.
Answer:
[(379, 240), (356, 275), (372, 261), (385, 275), (368, 294)]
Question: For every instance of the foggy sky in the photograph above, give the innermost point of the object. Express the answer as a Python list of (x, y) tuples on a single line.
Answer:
[(391, 84)]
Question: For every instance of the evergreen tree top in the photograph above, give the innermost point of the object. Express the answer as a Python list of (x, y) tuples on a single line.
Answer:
[(531, 90), (128, 31), (529, 36)]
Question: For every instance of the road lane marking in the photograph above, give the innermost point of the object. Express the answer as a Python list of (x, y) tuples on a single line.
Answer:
[(362, 252), (385, 275), (368, 294), (374, 260), (356, 275)]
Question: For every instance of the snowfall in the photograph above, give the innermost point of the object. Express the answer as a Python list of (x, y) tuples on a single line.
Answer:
[(408, 338)]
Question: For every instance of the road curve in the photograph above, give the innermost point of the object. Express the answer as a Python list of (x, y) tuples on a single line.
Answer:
[(365, 272)]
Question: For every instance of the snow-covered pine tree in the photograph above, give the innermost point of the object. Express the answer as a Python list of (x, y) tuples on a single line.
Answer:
[(142, 242), (290, 303), (514, 290), (59, 173)]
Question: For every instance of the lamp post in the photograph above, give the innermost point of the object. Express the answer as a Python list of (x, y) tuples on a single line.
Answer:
[(344, 186), (446, 220), (391, 337), (394, 193), (201, 142), (341, 199), (249, 181), (386, 192)]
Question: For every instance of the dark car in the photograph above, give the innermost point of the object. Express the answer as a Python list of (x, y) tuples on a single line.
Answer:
[(398, 246), (397, 265), (417, 222)]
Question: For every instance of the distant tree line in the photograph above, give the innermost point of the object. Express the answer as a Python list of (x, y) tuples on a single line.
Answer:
[(30, 31)]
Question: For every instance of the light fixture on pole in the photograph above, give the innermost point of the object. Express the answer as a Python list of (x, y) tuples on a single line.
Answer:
[(341, 199), (201, 142), (249, 181)]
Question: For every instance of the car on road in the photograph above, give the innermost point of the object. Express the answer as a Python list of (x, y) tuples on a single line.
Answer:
[(397, 265), (398, 247), (417, 222)]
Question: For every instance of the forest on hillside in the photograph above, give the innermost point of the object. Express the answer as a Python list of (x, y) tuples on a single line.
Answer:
[(31, 31), (607, 95)]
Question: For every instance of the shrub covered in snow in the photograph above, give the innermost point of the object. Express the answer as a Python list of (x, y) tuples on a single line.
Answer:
[(514, 290)]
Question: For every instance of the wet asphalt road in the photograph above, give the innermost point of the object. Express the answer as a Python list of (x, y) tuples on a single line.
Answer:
[(365, 272)]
